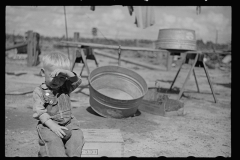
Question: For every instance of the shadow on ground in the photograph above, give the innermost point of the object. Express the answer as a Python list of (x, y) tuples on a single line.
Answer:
[(81, 88), (198, 98), (15, 74), (174, 90), (227, 85), (91, 111)]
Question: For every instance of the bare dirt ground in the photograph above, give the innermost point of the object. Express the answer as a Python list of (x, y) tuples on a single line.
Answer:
[(203, 131)]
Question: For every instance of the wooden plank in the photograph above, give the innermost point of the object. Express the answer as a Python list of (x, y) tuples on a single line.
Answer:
[(32, 51), (30, 48), (16, 73), (35, 52), (95, 45), (102, 149), (37, 82), (150, 107), (21, 91), (102, 142), (16, 46), (155, 109), (102, 135), (128, 60), (76, 36)]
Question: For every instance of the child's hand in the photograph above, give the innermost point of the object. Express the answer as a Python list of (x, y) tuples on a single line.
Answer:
[(56, 72), (58, 130), (63, 72)]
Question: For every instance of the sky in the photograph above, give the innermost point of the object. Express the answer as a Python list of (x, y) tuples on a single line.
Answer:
[(115, 22)]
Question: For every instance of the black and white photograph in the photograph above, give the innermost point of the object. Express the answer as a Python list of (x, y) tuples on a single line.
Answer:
[(118, 81)]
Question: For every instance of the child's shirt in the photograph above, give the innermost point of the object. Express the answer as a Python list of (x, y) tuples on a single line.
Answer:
[(55, 106)]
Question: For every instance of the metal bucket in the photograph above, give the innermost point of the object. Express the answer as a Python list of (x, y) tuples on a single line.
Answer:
[(116, 92), (176, 39)]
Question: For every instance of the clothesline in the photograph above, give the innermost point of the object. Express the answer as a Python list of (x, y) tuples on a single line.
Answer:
[(144, 15)]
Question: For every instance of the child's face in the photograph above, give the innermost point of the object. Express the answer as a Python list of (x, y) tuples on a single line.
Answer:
[(53, 82)]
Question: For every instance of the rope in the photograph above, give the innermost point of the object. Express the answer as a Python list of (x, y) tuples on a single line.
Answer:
[(119, 50), (119, 46), (101, 32)]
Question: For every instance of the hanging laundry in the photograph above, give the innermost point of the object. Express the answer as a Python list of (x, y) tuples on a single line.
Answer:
[(92, 8), (130, 9), (144, 16), (198, 9)]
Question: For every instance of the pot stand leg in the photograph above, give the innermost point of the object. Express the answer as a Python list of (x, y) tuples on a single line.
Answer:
[(194, 74), (182, 89), (73, 57), (82, 69), (176, 76), (210, 83), (95, 59), (84, 61)]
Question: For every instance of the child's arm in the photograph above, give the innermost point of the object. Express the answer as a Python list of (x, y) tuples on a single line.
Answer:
[(40, 113), (73, 81)]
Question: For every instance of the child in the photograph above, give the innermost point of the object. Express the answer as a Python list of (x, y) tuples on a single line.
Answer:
[(58, 130)]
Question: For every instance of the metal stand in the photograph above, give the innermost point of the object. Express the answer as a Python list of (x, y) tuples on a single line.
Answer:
[(84, 62), (93, 57), (197, 62), (79, 56)]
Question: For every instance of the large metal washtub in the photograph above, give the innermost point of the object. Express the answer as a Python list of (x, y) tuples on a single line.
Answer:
[(116, 92), (176, 39)]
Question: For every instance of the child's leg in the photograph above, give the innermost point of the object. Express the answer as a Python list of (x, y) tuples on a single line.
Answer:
[(75, 143), (53, 145)]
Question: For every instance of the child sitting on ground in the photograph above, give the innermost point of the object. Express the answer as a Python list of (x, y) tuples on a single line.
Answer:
[(58, 130)]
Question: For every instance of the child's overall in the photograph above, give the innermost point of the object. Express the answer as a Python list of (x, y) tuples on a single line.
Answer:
[(59, 108)]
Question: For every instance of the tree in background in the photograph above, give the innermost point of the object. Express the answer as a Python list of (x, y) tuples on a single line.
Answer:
[(210, 46), (200, 44)]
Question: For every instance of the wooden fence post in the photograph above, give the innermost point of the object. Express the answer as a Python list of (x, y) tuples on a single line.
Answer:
[(169, 61), (76, 36), (32, 48), (29, 48), (159, 56), (73, 55), (35, 54)]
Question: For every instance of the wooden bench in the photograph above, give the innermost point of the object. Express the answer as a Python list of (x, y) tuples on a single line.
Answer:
[(102, 142)]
